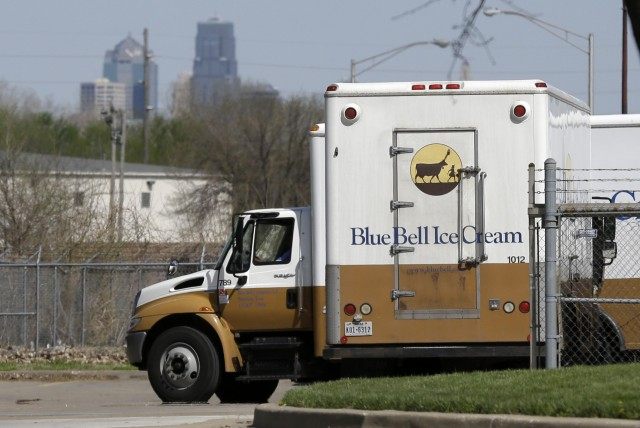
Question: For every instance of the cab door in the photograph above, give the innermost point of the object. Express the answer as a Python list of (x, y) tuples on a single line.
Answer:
[(260, 279), (438, 213)]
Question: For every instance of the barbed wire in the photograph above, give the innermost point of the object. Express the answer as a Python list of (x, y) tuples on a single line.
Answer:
[(542, 192), (576, 180), (590, 169)]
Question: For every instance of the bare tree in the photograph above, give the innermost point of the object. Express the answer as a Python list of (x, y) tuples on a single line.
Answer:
[(40, 207), (203, 211), (258, 145)]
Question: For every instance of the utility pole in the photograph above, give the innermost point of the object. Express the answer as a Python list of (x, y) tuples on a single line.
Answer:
[(123, 140), (108, 116), (147, 107), (624, 58)]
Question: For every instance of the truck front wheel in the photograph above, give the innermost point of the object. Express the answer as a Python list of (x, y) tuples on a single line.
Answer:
[(232, 390), (183, 366)]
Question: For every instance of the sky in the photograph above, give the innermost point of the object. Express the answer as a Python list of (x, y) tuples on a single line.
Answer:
[(301, 46)]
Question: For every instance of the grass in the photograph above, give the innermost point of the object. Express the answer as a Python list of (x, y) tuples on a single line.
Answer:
[(604, 391), (63, 365)]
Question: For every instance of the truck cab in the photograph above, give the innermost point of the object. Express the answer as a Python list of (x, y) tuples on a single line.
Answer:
[(235, 329)]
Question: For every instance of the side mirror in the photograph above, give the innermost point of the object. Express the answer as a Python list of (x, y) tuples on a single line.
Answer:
[(609, 228), (173, 267)]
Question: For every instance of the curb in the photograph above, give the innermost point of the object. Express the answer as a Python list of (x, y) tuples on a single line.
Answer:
[(271, 415), (71, 375)]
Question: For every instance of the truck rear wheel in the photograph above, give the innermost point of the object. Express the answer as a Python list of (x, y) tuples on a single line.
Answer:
[(232, 390), (183, 366)]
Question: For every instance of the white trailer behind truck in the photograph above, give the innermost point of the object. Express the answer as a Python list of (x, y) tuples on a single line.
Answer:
[(415, 247), (615, 159)]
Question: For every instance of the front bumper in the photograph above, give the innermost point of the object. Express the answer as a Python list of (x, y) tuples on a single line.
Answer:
[(135, 341)]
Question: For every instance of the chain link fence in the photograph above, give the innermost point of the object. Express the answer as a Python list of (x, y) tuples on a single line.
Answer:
[(76, 304), (587, 282)]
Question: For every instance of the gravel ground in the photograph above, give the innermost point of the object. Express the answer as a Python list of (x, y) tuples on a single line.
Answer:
[(82, 355)]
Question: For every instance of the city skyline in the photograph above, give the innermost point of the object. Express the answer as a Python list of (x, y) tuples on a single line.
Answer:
[(125, 64), (291, 45), (214, 64)]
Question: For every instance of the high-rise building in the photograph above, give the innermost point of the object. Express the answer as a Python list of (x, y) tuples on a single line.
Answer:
[(214, 67), (125, 64), (181, 95), (100, 95)]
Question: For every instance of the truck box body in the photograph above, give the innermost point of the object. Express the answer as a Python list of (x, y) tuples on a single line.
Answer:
[(405, 147)]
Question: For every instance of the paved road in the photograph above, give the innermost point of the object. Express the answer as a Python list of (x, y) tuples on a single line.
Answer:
[(128, 401)]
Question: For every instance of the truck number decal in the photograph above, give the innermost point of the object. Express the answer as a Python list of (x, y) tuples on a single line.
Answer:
[(515, 259), (224, 282)]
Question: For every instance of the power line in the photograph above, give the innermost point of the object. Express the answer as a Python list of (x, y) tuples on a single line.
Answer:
[(50, 56)]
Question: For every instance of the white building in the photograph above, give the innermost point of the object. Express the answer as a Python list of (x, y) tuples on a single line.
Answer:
[(160, 203), (100, 95)]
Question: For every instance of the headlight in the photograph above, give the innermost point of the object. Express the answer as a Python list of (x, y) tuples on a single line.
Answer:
[(133, 322)]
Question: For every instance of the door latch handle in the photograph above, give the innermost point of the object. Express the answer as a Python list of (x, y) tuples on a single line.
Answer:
[(396, 294), (397, 249), (394, 205)]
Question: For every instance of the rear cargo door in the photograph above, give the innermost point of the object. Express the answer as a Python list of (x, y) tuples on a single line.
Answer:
[(438, 223)]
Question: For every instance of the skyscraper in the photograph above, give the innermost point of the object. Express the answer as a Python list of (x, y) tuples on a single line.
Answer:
[(100, 95), (125, 64), (214, 66)]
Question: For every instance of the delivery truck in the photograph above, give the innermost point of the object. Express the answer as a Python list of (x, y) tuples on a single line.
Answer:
[(414, 250)]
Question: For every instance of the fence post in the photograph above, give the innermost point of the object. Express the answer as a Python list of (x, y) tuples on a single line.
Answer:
[(550, 223), (38, 298), (24, 307), (533, 342), (55, 304), (84, 284)]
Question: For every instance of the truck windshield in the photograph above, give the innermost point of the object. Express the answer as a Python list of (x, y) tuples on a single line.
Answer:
[(227, 245)]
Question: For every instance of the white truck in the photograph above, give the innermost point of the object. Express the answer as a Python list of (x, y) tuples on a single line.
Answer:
[(414, 251)]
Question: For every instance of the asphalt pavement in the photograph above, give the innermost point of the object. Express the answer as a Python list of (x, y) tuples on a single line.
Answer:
[(108, 399)]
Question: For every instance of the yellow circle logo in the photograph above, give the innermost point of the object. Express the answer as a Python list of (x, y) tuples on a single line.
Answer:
[(435, 169)]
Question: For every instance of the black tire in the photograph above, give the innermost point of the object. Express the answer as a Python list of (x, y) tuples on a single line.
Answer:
[(232, 390), (608, 344), (183, 366)]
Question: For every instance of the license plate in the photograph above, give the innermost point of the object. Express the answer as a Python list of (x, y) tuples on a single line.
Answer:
[(364, 328)]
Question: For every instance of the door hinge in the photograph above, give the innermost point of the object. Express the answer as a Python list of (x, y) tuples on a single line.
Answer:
[(472, 261), (394, 205), (397, 249), (398, 150), (396, 294)]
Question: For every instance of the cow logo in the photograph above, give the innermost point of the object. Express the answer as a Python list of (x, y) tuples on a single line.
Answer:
[(435, 169)]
